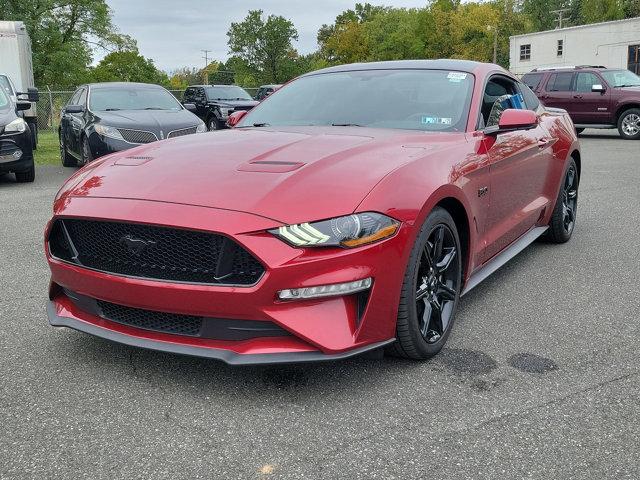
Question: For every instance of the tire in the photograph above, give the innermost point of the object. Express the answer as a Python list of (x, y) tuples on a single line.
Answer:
[(579, 131), (563, 219), (87, 156), (417, 338), (629, 124), (27, 176), (212, 124), (66, 159), (34, 135)]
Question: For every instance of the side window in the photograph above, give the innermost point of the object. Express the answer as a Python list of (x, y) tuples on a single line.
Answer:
[(75, 98), (560, 82), (530, 99), (82, 100), (496, 99), (200, 96), (186, 97), (586, 80), (532, 80)]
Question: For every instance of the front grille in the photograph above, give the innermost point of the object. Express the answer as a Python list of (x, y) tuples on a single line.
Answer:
[(137, 136), (182, 132), (150, 320), (158, 253)]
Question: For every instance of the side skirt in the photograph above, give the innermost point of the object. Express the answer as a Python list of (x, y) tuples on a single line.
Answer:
[(503, 257)]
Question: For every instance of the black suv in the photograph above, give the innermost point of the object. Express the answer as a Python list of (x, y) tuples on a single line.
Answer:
[(214, 103)]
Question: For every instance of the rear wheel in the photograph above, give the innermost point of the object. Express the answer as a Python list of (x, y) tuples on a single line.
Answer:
[(629, 124), (26, 176), (563, 220), (431, 289), (66, 159)]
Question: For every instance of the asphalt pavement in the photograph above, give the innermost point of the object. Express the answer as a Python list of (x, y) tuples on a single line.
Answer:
[(540, 377)]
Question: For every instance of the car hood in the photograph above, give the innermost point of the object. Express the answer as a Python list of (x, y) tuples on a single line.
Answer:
[(288, 175), (237, 103), (151, 120)]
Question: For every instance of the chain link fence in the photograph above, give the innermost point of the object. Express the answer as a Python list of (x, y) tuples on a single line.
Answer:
[(51, 104)]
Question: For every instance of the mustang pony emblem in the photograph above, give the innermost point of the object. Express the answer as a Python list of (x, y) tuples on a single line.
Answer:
[(136, 245)]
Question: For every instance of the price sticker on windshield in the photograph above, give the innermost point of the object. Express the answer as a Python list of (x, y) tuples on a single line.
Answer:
[(456, 77)]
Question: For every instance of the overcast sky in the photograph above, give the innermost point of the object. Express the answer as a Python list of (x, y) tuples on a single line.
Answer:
[(174, 33)]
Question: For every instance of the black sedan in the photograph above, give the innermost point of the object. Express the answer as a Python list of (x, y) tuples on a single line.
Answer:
[(102, 118), (16, 149)]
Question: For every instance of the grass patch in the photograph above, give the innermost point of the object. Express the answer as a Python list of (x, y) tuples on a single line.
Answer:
[(48, 152)]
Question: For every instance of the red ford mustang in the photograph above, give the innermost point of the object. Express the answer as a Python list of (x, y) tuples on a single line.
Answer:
[(348, 212)]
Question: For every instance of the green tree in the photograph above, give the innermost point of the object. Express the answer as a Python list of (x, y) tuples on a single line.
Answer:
[(63, 33), (263, 45), (128, 66), (602, 10)]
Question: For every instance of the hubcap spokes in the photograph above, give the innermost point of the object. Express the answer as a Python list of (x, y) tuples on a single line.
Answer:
[(631, 124), (437, 283), (570, 200)]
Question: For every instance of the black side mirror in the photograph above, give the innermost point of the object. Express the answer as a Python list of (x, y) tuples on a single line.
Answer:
[(32, 94), (190, 106), (21, 105), (73, 109)]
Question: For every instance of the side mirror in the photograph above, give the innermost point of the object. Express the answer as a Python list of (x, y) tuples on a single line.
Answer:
[(73, 109), (235, 118), (32, 94), (598, 88), (21, 105), (513, 119), (190, 106)]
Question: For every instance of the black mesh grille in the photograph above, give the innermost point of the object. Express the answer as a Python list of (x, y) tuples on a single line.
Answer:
[(150, 320), (184, 131), (158, 253), (137, 136)]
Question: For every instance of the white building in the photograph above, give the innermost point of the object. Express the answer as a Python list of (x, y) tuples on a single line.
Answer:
[(611, 44)]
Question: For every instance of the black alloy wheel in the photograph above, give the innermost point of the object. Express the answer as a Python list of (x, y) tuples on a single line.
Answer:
[(437, 283), (212, 124), (87, 156), (66, 159), (431, 289)]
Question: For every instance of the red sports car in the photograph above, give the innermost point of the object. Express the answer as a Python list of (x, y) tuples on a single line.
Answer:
[(348, 212)]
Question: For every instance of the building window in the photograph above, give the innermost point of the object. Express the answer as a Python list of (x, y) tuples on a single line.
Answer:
[(525, 52), (560, 48), (634, 59)]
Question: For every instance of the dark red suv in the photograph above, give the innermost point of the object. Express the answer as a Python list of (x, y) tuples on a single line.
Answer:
[(595, 97)]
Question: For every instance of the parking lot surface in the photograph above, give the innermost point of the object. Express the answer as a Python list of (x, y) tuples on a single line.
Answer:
[(539, 379)]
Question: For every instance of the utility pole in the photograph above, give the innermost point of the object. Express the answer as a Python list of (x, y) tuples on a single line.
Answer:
[(495, 41), (560, 14), (205, 74)]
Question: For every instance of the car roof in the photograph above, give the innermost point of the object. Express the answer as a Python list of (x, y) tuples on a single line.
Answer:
[(123, 85), (469, 66)]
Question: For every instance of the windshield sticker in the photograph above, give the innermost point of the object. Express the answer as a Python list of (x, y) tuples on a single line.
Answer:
[(435, 121), (456, 77)]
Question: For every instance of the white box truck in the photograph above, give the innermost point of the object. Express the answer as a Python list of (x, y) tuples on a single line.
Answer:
[(16, 69)]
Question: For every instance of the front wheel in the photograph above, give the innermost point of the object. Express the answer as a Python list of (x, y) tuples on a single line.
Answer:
[(66, 159), (629, 124), (87, 156), (212, 124), (430, 290), (26, 176)]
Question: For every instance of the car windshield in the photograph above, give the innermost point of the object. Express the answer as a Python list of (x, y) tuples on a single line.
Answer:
[(126, 98), (426, 100), (4, 101), (5, 85), (621, 78), (230, 92)]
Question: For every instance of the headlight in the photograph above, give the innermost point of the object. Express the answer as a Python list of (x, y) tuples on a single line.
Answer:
[(225, 111), (107, 131), (17, 126), (202, 128), (349, 231)]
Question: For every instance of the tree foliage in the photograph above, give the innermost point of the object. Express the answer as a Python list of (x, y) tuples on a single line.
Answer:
[(63, 34), (128, 66)]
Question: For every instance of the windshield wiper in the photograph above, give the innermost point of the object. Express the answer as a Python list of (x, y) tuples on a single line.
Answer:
[(346, 125), (111, 109), (154, 108), (623, 86), (258, 125)]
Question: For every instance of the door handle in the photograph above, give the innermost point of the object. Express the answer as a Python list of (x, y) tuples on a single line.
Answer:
[(543, 142), (577, 96)]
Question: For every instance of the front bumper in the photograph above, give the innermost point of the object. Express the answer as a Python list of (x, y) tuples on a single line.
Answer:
[(16, 143), (320, 329)]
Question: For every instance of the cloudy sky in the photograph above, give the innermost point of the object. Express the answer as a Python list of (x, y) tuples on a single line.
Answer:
[(174, 33)]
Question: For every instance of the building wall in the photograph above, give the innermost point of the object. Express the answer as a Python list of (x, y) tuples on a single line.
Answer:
[(597, 44)]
